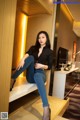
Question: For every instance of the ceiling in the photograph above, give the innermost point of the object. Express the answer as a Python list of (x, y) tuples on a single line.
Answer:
[(75, 12), (34, 7)]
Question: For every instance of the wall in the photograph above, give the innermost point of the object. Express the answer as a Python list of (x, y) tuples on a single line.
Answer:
[(37, 23), (19, 37), (7, 24), (78, 49), (78, 44), (65, 34)]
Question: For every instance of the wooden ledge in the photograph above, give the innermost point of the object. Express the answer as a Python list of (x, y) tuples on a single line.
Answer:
[(60, 118), (21, 88), (58, 106), (35, 111)]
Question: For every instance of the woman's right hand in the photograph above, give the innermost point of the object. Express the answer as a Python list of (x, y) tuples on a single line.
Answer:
[(21, 64)]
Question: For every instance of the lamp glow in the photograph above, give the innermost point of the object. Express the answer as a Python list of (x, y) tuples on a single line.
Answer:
[(78, 52), (23, 39), (24, 28)]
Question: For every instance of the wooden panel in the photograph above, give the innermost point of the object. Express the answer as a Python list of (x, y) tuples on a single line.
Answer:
[(60, 118), (57, 106), (34, 111), (32, 7), (20, 37), (7, 21), (37, 23)]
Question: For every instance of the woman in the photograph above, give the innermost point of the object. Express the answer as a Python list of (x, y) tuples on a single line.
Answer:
[(37, 59)]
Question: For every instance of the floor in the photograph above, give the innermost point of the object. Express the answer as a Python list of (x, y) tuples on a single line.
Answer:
[(32, 110), (73, 111), (27, 99)]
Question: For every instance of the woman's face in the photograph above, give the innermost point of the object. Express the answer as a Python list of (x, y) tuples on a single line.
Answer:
[(42, 39)]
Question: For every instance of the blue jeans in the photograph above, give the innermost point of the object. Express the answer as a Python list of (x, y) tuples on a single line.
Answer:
[(34, 76)]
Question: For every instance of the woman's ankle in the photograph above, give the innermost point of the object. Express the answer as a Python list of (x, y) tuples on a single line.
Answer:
[(12, 84), (46, 108), (46, 113)]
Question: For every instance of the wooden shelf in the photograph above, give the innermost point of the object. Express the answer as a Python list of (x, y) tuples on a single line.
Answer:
[(35, 111)]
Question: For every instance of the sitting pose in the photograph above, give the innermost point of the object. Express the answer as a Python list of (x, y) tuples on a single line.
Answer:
[(37, 59)]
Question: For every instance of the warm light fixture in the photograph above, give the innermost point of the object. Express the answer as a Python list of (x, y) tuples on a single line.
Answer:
[(23, 38), (78, 52), (74, 50), (50, 1), (24, 28)]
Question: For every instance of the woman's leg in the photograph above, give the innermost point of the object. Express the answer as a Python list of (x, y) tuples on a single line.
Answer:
[(29, 62), (30, 73), (39, 80)]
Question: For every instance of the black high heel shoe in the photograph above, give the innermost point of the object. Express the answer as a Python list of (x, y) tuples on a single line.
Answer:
[(47, 116), (12, 84)]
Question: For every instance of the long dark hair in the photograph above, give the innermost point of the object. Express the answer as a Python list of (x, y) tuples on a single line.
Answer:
[(37, 44)]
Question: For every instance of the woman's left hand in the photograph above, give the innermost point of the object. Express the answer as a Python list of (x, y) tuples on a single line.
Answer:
[(38, 65)]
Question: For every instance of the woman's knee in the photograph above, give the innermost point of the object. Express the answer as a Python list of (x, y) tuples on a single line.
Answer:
[(30, 58)]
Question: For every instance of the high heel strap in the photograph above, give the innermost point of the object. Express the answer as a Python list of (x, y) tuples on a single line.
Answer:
[(13, 82), (49, 114)]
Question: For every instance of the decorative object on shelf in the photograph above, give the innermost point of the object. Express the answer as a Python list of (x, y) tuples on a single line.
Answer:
[(62, 68), (68, 67)]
